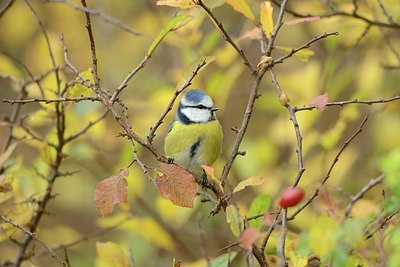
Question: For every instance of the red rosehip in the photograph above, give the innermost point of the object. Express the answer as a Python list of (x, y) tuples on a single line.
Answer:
[(290, 197)]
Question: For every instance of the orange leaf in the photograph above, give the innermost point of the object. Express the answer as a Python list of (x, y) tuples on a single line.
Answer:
[(319, 101), (111, 191), (176, 184), (267, 219), (301, 20), (248, 237), (253, 34)]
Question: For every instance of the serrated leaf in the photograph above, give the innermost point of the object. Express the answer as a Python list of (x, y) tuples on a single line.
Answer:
[(303, 54), (112, 254), (252, 181), (249, 237), (234, 219), (266, 18), (197, 65), (183, 4), (259, 205), (176, 184), (170, 26), (111, 191), (319, 101), (241, 6), (79, 89)]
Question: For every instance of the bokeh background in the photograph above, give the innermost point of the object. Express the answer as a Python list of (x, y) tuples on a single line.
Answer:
[(349, 66)]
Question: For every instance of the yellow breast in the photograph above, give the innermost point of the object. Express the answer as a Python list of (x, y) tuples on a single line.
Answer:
[(193, 145)]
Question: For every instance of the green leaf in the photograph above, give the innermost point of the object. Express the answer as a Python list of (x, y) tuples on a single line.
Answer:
[(323, 235), (170, 26), (223, 260), (234, 219), (259, 205)]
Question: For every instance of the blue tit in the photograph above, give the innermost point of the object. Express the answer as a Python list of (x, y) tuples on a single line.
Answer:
[(195, 136)]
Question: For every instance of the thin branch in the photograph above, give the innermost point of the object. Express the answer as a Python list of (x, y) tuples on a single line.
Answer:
[(281, 246), (48, 101), (53, 60), (226, 36), (355, 101), (86, 128), (92, 49), (353, 199), (335, 160), (335, 12), (306, 45), (277, 27), (269, 231), (97, 13), (6, 7), (153, 129), (382, 224), (33, 236)]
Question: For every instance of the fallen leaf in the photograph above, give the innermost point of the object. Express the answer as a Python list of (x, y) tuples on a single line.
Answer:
[(319, 101), (248, 237), (252, 181), (176, 184), (266, 18), (111, 191), (301, 20)]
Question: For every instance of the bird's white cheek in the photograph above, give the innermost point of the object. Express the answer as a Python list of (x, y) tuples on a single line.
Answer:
[(196, 114)]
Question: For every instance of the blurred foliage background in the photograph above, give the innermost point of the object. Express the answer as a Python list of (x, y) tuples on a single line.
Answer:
[(352, 65)]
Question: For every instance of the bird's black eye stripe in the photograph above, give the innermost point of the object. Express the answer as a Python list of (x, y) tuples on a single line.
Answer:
[(197, 106)]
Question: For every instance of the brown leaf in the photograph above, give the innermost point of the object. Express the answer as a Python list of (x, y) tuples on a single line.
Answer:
[(301, 20), (111, 191), (248, 237), (319, 101), (176, 184)]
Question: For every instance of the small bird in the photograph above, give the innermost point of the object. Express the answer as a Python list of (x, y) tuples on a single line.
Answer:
[(195, 136)]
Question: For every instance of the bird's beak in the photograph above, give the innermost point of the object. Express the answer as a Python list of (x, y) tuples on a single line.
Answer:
[(214, 109)]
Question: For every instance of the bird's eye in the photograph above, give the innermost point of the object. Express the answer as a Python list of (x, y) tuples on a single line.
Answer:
[(201, 107)]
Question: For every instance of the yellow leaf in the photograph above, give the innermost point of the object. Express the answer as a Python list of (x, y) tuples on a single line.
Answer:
[(241, 6), (266, 18), (303, 54), (253, 180), (79, 89), (112, 254), (150, 230), (323, 235), (211, 172), (184, 4), (363, 208)]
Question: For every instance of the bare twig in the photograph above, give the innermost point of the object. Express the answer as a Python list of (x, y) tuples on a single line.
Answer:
[(269, 231), (335, 160), (153, 129), (48, 101), (6, 7), (97, 13), (277, 27), (385, 220), (35, 237), (281, 246), (226, 36), (355, 101), (360, 194)]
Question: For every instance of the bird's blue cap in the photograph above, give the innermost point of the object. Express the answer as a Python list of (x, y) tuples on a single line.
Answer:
[(195, 95)]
